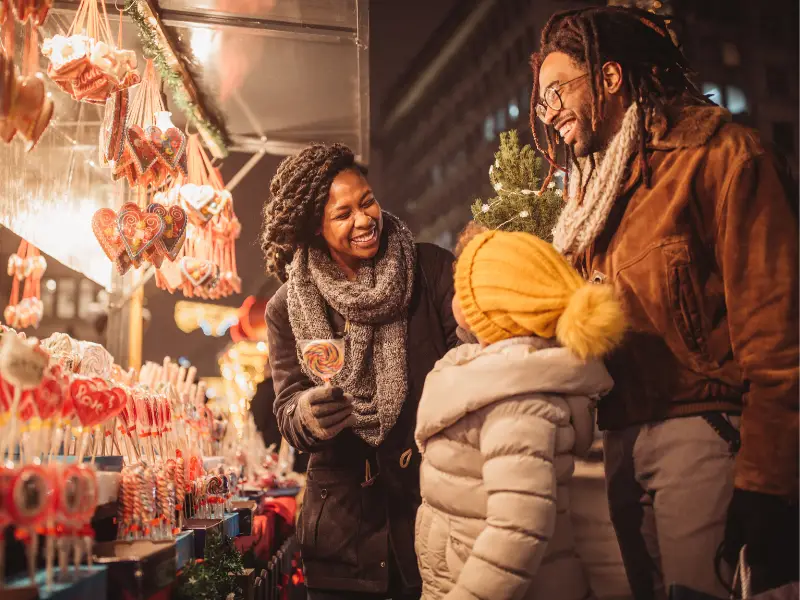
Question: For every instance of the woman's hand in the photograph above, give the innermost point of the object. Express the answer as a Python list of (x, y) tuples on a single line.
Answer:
[(325, 411)]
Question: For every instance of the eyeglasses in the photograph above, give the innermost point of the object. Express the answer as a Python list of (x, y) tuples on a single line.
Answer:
[(552, 98)]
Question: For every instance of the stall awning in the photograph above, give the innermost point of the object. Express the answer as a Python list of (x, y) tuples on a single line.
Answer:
[(281, 74)]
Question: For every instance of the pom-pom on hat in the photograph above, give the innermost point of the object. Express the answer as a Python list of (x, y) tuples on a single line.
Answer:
[(516, 285)]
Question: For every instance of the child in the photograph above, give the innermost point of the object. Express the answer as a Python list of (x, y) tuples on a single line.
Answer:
[(499, 422)]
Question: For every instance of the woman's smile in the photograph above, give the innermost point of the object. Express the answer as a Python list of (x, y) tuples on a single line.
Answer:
[(368, 238)]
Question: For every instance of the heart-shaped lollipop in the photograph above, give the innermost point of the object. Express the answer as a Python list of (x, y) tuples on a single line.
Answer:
[(94, 405), (49, 396)]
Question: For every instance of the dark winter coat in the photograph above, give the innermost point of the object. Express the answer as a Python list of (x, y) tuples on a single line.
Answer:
[(357, 520)]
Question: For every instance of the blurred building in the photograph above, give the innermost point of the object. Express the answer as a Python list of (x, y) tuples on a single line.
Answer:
[(472, 80), (746, 57), (440, 123)]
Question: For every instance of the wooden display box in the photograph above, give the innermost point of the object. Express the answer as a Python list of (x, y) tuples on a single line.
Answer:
[(142, 568), (202, 528), (246, 510)]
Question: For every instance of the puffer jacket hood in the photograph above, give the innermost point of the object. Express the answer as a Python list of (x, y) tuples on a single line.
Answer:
[(517, 367)]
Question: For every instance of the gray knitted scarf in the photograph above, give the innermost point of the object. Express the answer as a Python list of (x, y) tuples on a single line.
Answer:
[(375, 307), (581, 222)]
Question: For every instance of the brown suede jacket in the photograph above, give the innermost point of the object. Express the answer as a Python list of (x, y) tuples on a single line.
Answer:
[(705, 262)]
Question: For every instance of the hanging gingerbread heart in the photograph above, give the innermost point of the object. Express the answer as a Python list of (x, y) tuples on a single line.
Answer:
[(174, 234), (104, 227), (197, 271), (112, 134), (170, 145), (196, 199), (142, 152), (138, 230)]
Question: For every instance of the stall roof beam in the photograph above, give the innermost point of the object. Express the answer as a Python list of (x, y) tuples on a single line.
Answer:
[(183, 18), (152, 12), (176, 18)]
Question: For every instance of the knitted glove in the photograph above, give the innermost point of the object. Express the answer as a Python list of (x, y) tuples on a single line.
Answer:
[(768, 525), (325, 411)]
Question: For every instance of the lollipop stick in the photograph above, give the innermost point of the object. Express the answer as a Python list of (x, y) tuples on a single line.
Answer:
[(80, 447), (50, 556), (63, 557), (2, 557), (190, 375), (87, 542), (33, 549), (96, 439), (10, 441)]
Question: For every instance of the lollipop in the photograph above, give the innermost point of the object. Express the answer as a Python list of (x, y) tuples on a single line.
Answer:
[(324, 358)]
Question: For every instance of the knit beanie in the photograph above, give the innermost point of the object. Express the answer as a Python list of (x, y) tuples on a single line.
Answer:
[(517, 285)]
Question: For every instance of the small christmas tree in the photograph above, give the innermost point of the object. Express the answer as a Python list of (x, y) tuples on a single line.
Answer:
[(519, 206)]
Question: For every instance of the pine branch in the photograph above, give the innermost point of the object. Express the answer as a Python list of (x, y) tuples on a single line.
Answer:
[(518, 205), (152, 49)]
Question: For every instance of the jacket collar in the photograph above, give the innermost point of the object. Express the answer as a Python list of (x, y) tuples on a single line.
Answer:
[(681, 126), (685, 126)]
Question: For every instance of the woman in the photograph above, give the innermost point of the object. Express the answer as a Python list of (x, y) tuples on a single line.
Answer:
[(355, 274)]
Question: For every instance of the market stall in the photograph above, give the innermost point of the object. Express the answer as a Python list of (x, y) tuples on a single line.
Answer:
[(118, 473)]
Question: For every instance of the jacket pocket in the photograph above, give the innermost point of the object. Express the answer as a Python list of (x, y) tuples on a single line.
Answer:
[(686, 305), (331, 517)]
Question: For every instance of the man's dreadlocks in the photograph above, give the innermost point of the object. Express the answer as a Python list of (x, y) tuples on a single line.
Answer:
[(655, 70)]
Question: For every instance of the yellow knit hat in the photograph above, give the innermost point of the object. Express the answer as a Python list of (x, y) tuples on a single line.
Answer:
[(515, 285)]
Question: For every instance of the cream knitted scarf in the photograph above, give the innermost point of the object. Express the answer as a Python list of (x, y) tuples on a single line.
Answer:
[(375, 306), (581, 222)]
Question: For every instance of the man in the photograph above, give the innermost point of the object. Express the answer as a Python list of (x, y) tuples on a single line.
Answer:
[(685, 213)]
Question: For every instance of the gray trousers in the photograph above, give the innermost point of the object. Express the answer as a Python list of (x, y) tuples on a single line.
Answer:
[(669, 485)]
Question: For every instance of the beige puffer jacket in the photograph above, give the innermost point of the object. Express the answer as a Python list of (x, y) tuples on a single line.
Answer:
[(498, 428)]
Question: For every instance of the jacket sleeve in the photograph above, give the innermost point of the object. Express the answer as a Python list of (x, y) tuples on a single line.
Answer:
[(517, 441), (757, 250), (287, 376)]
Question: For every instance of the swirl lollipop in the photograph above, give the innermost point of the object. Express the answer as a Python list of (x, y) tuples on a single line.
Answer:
[(324, 358)]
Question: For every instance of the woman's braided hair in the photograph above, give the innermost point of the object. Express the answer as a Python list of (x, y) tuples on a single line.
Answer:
[(656, 71), (298, 194)]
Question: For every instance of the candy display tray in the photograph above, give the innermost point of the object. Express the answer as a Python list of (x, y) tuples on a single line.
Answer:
[(88, 582)]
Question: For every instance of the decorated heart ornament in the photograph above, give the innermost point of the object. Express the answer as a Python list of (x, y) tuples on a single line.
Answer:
[(94, 405), (142, 152), (197, 271), (197, 200), (170, 144), (138, 230), (175, 223), (112, 134), (104, 227)]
